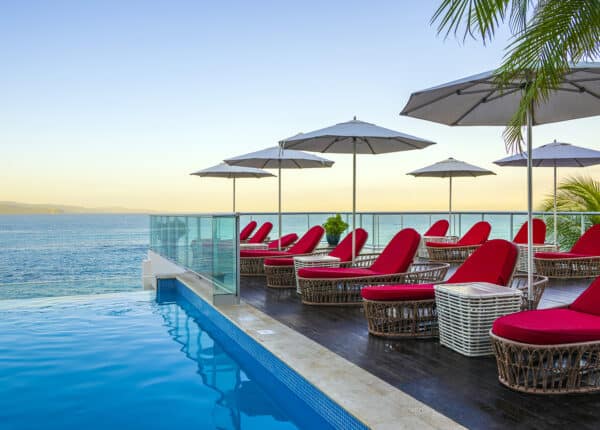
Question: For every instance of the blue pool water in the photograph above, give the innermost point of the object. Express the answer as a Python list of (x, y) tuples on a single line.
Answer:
[(129, 361)]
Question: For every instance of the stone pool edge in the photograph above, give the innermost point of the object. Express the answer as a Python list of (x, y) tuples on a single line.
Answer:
[(371, 400)]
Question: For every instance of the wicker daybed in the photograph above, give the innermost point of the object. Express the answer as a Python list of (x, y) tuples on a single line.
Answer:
[(252, 261), (551, 351), (341, 286), (582, 261), (463, 248), (280, 270), (409, 310)]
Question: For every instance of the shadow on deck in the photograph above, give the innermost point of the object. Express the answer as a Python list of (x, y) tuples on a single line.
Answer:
[(464, 389)]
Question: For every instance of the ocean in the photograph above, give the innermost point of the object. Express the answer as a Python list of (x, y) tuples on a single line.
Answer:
[(61, 255)]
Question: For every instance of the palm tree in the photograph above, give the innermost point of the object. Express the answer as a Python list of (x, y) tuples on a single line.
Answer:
[(547, 36), (577, 194)]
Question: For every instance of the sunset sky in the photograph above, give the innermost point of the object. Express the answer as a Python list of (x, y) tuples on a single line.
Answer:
[(114, 103)]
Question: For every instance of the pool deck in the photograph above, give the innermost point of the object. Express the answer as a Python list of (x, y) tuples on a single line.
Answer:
[(465, 390)]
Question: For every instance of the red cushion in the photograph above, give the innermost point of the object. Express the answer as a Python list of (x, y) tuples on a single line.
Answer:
[(442, 244), (399, 253), (285, 261), (261, 253), (494, 262), (334, 272), (539, 232), (558, 255), (286, 240), (589, 300), (589, 243), (246, 231), (309, 241), (343, 250), (399, 292), (262, 233), (439, 228), (477, 234), (548, 327)]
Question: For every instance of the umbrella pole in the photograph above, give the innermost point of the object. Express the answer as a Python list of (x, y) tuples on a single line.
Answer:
[(529, 205), (450, 207), (233, 195), (279, 220), (353, 200), (555, 212)]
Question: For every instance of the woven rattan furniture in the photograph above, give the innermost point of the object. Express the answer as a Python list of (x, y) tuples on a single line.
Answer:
[(313, 261), (466, 313), (248, 246), (280, 271), (582, 261), (341, 286), (551, 351), (423, 253), (398, 311), (252, 261), (522, 264), (463, 248), (539, 237)]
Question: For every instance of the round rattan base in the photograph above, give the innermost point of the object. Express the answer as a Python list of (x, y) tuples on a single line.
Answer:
[(402, 318), (548, 369), (280, 276)]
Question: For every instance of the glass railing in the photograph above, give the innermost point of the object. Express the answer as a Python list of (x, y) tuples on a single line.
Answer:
[(205, 244), (382, 226)]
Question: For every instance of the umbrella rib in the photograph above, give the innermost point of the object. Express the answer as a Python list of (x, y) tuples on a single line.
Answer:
[(499, 96), (369, 145), (296, 163), (584, 89), (333, 142), (471, 109), (437, 99)]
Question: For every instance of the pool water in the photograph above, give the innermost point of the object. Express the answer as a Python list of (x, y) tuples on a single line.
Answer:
[(130, 361)]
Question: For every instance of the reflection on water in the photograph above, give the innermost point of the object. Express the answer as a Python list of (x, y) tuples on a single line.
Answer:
[(239, 396)]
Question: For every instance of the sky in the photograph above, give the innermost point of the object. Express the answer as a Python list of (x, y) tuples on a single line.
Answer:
[(114, 103)]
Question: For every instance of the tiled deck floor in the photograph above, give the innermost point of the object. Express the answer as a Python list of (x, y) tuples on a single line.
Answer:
[(464, 389)]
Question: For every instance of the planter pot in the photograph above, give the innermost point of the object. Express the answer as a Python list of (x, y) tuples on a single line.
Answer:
[(333, 239)]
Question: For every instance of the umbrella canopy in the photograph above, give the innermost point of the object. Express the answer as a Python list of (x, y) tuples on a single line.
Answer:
[(478, 100), (355, 137), (451, 168), (278, 158), (232, 172), (555, 154)]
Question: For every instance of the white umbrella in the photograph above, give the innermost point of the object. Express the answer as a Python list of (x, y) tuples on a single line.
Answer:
[(478, 100), (355, 137), (278, 158), (555, 154), (232, 172), (451, 168)]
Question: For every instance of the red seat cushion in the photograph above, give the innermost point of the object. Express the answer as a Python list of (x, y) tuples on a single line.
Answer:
[(286, 240), (334, 272), (309, 241), (284, 261), (589, 300), (246, 231), (548, 327), (262, 233), (589, 243), (539, 232), (493, 262), (476, 235), (558, 255), (399, 292), (261, 253), (343, 250), (398, 255), (442, 244)]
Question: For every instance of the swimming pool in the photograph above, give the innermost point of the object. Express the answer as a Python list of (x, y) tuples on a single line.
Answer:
[(132, 360)]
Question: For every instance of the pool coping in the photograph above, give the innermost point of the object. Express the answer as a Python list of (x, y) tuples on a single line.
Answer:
[(356, 390)]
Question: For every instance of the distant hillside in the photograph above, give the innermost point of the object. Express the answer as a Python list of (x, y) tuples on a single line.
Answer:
[(15, 208)]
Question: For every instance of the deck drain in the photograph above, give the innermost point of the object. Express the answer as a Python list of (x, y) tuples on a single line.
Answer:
[(265, 332)]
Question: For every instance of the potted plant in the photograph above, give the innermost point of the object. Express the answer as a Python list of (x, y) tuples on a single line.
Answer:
[(334, 226)]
